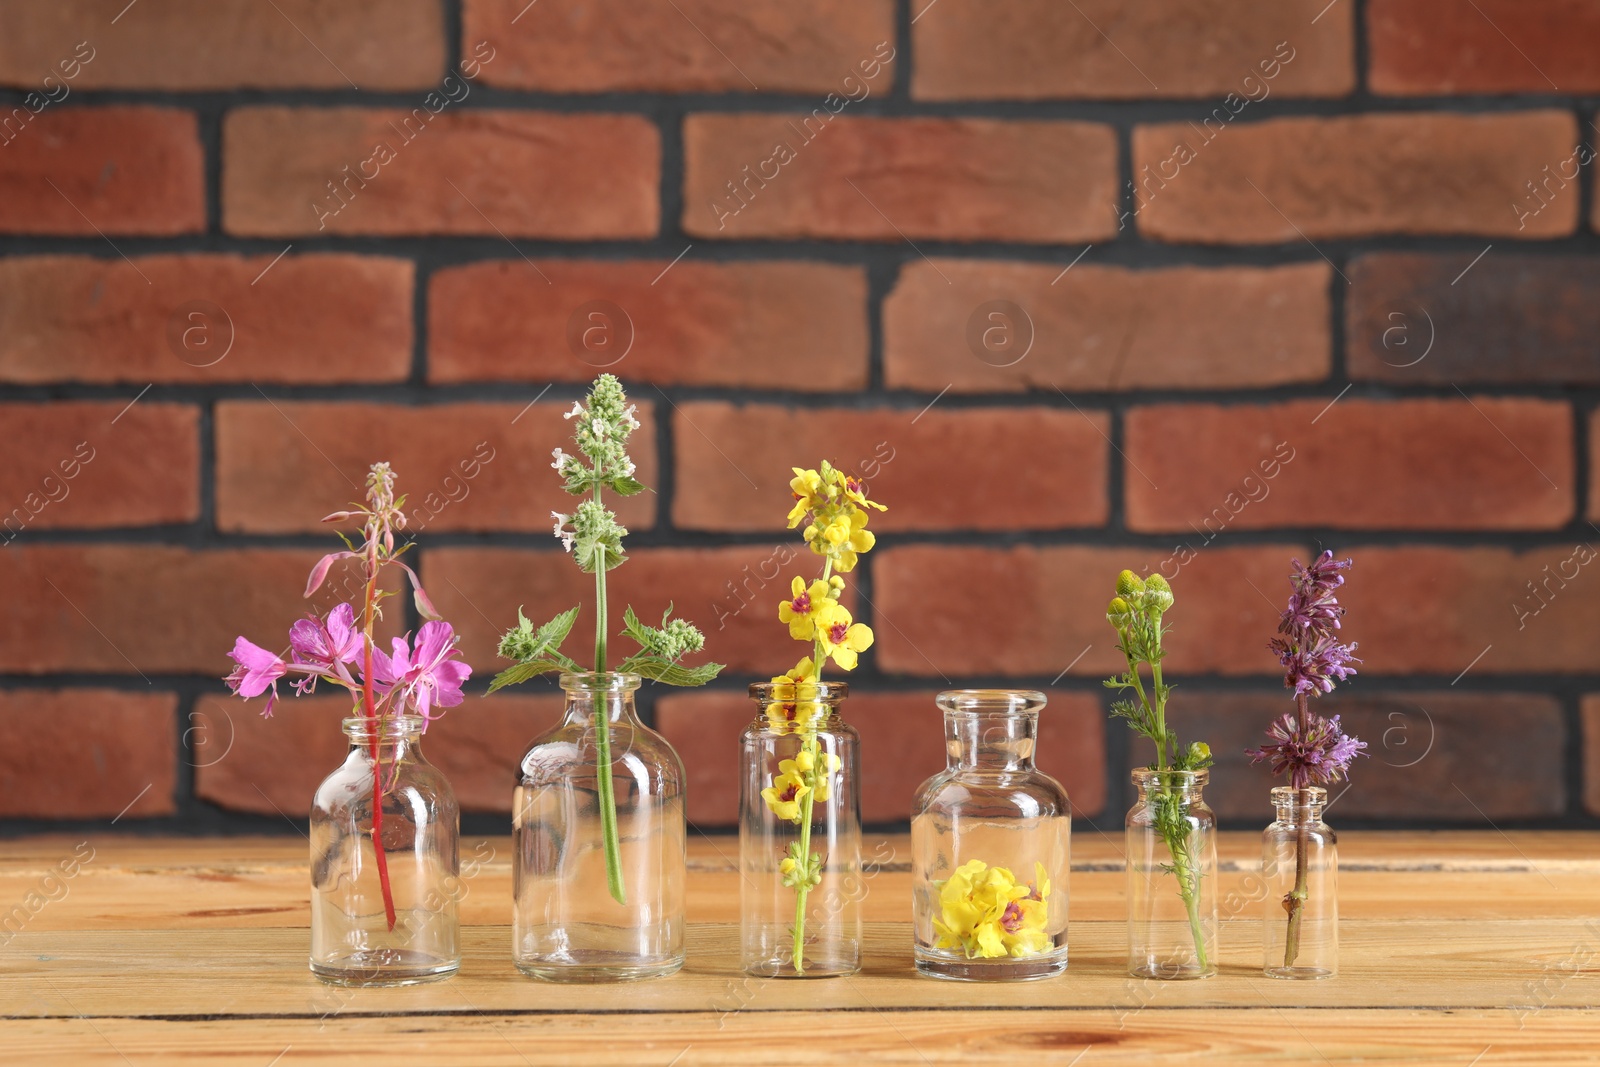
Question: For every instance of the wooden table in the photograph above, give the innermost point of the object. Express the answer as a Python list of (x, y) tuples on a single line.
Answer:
[(1470, 948)]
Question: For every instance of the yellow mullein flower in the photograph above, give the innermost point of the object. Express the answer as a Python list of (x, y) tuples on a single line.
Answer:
[(842, 640), (844, 538), (987, 914), (855, 491), (805, 606), (788, 788), (821, 783), (795, 697), (809, 490)]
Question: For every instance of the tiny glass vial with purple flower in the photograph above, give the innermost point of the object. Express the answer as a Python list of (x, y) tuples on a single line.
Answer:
[(361, 936), (567, 926), (801, 881), (1172, 877), (991, 846), (1300, 867)]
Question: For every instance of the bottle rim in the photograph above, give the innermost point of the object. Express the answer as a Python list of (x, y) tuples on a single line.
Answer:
[(390, 727), (991, 701), (810, 692), (1287, 793), (600, 681), (1142, 775)]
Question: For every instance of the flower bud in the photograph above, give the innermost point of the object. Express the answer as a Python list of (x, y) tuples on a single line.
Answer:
[(1128, 583), (337, 516)]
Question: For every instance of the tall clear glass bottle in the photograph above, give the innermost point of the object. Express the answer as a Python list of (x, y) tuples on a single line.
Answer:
[(991, 840), (353, 940), (566, 926), (799, 798), (1300, 865), (1172, 877)]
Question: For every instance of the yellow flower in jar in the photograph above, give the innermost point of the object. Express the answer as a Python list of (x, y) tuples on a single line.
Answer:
[(986, 913), (795, 702), (821, 781), (788, 788)]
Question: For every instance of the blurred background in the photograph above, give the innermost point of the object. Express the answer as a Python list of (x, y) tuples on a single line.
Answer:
[(1196, 286)]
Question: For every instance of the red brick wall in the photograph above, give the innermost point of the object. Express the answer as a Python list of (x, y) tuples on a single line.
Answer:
[(1198, 285)]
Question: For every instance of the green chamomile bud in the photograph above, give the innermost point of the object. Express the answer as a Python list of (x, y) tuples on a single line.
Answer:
[(1117, 608), (1158, 594), (1128, 584)]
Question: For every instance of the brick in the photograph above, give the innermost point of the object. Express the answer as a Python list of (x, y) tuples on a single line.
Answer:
[(273, 766), (1352, 176), (568, 46), (68, 464), (1038, 611), (1510, 320), (969, 468), (731, 593), (282, 466), (486, 172), (1425, 47), (1431, 756), (895, 179), (760, 325), (1103, 328), (116, 170), (205, 318), (1484, 611), (147, 609), (1591, 753), (1036, 50), (87, 754), (902, 745), (1467, 464), (223, 44)]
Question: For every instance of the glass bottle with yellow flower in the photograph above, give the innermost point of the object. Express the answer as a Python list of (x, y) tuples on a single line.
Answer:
[(991, 840), (800, 823)]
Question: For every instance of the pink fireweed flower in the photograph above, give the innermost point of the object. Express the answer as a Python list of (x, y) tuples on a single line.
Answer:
[(324, 644), (257, 672), (427, 677), (1318, 755)]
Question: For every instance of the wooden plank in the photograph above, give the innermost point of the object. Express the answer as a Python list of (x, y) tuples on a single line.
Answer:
[(864, 1032)]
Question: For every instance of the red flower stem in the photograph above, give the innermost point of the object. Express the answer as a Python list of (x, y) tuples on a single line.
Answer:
[(1295, 902), (371, 712)]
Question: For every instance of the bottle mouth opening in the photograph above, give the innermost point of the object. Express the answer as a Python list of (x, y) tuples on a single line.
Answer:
[(600, 681), (1143, 775), (790, 692), (991, 701), (388, 728), (1288, 794)]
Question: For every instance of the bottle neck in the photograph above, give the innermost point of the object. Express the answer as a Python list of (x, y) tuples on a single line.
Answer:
[(990, 740), (611, 695), (392, 739), (1299, 807), (1186, 785)]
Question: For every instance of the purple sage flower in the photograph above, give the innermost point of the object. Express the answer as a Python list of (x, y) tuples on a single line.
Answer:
[(1317, 755), (1311, 655)]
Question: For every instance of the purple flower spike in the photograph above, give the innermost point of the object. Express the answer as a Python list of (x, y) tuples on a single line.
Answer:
[(1318, 755), (1311, 655)]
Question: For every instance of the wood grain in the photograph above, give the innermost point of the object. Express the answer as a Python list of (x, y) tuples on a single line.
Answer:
[(164, 951)]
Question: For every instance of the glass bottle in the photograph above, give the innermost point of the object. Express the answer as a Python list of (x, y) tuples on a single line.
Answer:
[(1300, 857), (802, 756), (353, 941), (566, 925), (1172, 877), (991, 841)]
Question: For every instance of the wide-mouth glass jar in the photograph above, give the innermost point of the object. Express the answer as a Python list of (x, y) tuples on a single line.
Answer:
[(991, 839)]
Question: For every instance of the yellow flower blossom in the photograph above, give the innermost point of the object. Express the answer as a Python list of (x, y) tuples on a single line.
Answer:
[(842, 640), (822, 782), (810, 491), (855, 491), (843, 537), (805, 605), (987, 914), (788, 788), (794, 704)]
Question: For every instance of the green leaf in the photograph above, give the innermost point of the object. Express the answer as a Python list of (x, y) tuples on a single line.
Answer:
[(665, 670), (626, 486), (532, 669), (525, 644)]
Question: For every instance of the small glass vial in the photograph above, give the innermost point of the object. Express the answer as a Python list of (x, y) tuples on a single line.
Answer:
[(1172, 877), (800, 804), (1300, 866), (359, 935), (991, 840), (566, 925)]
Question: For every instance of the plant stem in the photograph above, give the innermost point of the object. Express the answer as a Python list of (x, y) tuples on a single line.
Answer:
[(818, 767), (602, 728), (371, 712), (1295, 902)]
